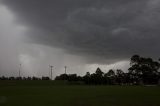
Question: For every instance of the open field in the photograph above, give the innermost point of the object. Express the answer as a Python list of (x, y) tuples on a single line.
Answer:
[(47, 93)]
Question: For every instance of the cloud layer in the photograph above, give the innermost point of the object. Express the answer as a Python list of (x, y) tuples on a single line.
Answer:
[(99, 28), (98, 31)]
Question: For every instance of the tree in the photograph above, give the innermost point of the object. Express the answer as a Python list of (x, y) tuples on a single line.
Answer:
[(97, 77), (45, 78), (110, 73), (62, 77), (143, 69), (99, 72), (110, 77), (119, 72), (120, 77), (87, 78)]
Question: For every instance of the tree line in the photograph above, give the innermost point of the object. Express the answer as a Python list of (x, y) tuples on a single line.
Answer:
[(24, 78), (142, 71)]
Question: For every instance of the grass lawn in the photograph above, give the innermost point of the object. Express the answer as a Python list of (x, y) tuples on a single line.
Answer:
[(45, 93)]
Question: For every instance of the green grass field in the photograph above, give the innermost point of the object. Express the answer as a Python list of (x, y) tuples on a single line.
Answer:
[(47, 93)]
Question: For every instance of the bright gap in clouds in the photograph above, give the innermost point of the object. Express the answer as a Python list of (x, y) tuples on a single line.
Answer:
[(124, 65)]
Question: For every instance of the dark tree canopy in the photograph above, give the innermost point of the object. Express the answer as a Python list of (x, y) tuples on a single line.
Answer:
[(144, 69)]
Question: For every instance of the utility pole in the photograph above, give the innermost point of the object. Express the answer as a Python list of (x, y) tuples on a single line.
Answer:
[(51, 67), (20, 70), (65, 67)]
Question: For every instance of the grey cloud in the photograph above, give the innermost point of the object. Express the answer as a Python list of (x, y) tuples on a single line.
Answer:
[(98, 30)]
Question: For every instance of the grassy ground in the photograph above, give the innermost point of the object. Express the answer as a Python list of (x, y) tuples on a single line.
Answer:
[(46, 93)]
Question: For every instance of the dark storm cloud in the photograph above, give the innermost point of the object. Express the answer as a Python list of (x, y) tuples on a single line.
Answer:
[(105, 29)]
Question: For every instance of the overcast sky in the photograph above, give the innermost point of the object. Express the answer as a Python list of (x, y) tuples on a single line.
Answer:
[(81, 34)]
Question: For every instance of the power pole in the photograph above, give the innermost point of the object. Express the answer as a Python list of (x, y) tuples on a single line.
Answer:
[(51, 67), (20, 70), (65, 67)]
